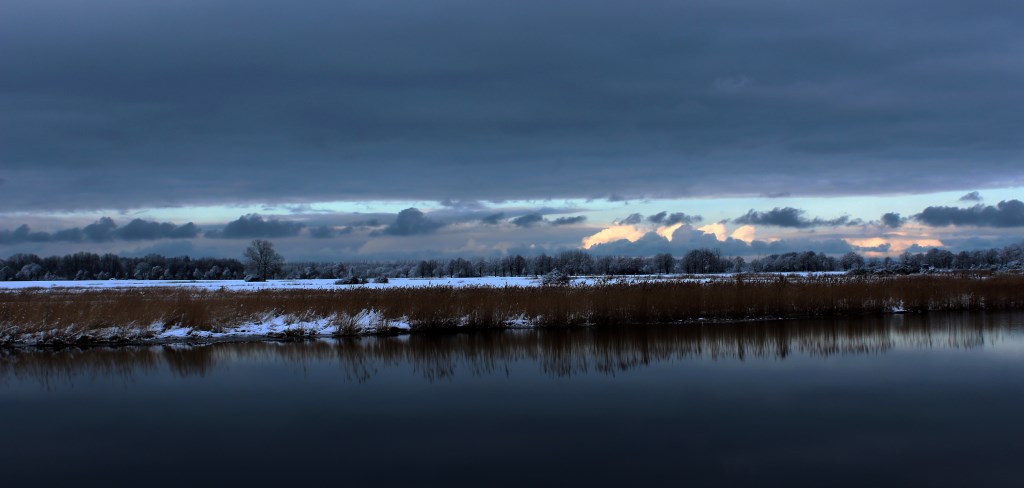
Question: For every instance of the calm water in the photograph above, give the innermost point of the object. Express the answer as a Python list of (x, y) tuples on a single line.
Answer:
[(909, 400)]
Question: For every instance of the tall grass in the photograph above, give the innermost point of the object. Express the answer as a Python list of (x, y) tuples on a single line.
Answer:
[(744, 297)]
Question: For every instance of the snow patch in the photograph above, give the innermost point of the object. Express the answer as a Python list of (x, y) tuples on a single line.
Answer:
[(329, 284)]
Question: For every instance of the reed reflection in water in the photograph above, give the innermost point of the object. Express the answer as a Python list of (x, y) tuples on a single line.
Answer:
[(556, 352)]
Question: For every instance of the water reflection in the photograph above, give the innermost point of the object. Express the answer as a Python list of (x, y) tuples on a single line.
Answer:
[(556, 352)]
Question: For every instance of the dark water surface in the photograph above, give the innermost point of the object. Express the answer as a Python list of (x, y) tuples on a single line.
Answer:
[(933, 400)]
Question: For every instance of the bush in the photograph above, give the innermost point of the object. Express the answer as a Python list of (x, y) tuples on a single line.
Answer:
[(555, 278), (381, 279), (254, 279), (351, 280)]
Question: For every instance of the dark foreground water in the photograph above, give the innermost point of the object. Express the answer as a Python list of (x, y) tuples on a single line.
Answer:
[(905, 401)]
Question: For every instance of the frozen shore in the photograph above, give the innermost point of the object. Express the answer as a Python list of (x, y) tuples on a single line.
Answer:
[(63, 313)]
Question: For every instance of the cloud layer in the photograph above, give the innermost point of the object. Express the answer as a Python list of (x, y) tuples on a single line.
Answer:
[(103, 230), (123, 104), (1004, 214), (789, 217), (255, 226)]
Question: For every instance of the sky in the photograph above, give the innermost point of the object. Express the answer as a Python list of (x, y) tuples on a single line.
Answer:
[(384, 129)]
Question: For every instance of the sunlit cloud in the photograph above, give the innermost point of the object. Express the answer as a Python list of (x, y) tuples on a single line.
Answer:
[(718, 229), (746, 233), (614, 233), (667, 231)]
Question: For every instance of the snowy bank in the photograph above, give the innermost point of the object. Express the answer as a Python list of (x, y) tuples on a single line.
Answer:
[(66, 315)]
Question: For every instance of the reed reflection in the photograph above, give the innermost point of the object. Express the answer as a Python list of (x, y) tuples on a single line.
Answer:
[(556, 352)]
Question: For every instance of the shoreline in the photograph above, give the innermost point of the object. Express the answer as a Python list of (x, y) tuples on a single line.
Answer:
[(301, 332), (66, 316)]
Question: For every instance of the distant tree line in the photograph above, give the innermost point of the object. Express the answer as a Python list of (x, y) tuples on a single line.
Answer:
[(88, 266)]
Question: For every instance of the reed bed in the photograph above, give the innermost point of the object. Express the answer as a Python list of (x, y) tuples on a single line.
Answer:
[(441, 308)]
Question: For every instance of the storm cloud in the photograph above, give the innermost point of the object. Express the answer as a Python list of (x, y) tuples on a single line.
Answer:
[(1008, 213), (124, 104), (528, 220), (579, 219), (493, 219), (892, 220), (632, 219), (665, 218), (139, 229), (255, 226), (103, 230), (971, 197), (410, 221), (789, 217)]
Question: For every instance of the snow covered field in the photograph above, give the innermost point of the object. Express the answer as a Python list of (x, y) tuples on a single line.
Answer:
[(320, 284), (240, 285)]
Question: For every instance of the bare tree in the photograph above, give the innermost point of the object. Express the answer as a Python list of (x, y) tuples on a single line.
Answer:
[(664, 263), (261, 260)]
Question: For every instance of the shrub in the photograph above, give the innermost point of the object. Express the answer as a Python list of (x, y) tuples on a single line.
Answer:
[(555, 278), (351, 280)]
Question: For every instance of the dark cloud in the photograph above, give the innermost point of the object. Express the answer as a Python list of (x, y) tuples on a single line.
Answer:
[(411, 221), (531, 218), (103, 230), (528, 220), (22, 234), (632, 219), (971, 197), (255, 226), (411, 100), (892, 220), (1009, 213), (139, 229), (100, 231), (665, 218), (66, 235), (790, 217), (493, 219), (781, 217), (579, 219), (658, 217)]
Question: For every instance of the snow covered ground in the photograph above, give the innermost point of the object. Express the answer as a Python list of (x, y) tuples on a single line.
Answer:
[(239, 285), (270, 326)]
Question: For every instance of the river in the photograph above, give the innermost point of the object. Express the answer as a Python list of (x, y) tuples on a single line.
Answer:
[(904, 400)]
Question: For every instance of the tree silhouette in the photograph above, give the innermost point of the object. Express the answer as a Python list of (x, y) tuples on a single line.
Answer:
[(262, 261)]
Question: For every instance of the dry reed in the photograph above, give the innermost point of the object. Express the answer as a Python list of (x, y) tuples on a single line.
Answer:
[(439, 308)]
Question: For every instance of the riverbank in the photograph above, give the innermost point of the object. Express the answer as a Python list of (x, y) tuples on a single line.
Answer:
[(61, 316)]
